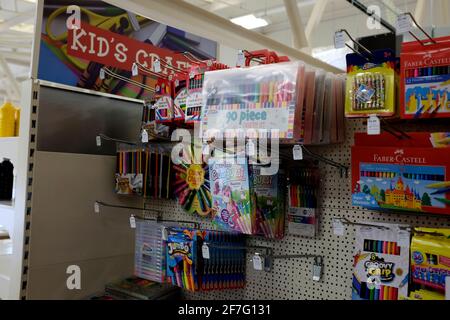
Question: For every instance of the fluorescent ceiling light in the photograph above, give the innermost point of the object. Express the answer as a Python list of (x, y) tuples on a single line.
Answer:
[(23, 27), (250, 21)]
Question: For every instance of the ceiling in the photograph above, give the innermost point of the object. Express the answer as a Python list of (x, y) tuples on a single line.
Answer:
[(16, 25)]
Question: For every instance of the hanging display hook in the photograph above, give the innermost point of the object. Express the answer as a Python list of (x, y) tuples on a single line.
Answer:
[(105, 71), (358, 44), (430, 39)]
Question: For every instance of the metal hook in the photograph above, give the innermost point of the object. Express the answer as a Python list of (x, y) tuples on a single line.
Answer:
[(359, 44), (421, 29)]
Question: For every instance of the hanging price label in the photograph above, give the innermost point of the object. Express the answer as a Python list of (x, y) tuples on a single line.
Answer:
[(404, 23), (297, 152), (164, 234), (132, 222), (403, 238), (96, 207), (157, 66), (373, 125), (240, 59), (338, 227), (177, 83), (144, 136), (134, 70), (102, 74), (250, 148), (98, 140), (257, 262), (339, 39), (205, 251)]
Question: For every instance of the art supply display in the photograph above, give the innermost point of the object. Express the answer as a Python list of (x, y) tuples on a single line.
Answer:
[(302, 216), (194, 100), (153, 129), (392, 177), (191, 183), (179, 96), (150, 251), (232, 196), (130, 168), (425, 79), (430, 261), (270, 204), (187, 267), (381, 263), (371, 84), (164, 110)]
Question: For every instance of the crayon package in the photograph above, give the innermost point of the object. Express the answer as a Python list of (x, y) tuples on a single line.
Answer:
[(270, 204), (393, 174), (164, 112), (430, 261), (381, 263), (232, 196), (371, 84), (425, 79)]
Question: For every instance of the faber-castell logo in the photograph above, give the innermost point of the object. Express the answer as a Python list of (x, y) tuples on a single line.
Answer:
[(428, 60), (398, 157)]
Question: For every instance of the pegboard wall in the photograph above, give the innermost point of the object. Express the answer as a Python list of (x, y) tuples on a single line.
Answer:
[(292, 278)]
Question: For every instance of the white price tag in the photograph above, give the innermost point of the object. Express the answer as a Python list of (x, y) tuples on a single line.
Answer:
[(339, 39), (164, 234), (205, 251), (144, 136), (157, 66), (132, 222), (297, 152), (98, 140), (250, 148), (338, 227), (177, 83), (447, 288), (257, 262), (404, 23), (102, 74), (373, 125), (191, 75), (240, 59), (96, 207), (134, 70), (403, 238), (205, 150)]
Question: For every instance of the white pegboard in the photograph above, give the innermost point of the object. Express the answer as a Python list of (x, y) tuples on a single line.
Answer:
[(292, 279)]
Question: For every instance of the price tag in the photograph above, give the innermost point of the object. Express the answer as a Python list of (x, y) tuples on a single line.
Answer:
[(257, 263), (132, 222), (102, 74), (96, 207), (205, 251), (373, 125), (191, 75), (205, 150), (404, 23), (250, 148), (144, 136), (403, 238), (338, 227), (177, 83), (164, 234), (157, 66), (339, 39), (447, 288), (98, 140), (240, 59), (297, 152), (134, 70)]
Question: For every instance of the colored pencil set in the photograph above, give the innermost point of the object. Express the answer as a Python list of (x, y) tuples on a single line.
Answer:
[(427, 72), (375, 292), (188, 269), (441, 190), (412, 176), (148, 172), (378, 246), (369, 91)]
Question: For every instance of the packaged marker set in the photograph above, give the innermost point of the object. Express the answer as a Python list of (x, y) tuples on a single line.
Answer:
[(371, 84), (381, 263), (393, 174), (430, 263), (425, 79)]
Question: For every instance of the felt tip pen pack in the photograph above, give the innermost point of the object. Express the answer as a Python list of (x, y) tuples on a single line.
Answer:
[(425, 79), (381, 263), (371, 84)]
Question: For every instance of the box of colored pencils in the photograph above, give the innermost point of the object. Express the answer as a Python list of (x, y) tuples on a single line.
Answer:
[(381, 263), (130, 170), (232, 196), (270, 204), (425, 79), (408, 178)]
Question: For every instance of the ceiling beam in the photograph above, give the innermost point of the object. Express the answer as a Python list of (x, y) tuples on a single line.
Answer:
[(316, 17), (185, 16), (12, 82), (218, 5), (299, 39), (20, 18)]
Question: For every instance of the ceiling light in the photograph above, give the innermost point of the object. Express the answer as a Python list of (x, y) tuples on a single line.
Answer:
[(250, 22), (23, 27), (33, 1)]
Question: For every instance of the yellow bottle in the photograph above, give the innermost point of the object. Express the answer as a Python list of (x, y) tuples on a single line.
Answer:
[(17, 122), (7, 120)]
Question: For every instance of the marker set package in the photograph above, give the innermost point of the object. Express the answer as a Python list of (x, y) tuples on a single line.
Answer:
[(371, 84), (144, 171), (393, 174), (153, 129), (430, 263), (302, 216), (425, 79), (189, 269), (164, 110), (381, 263)]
